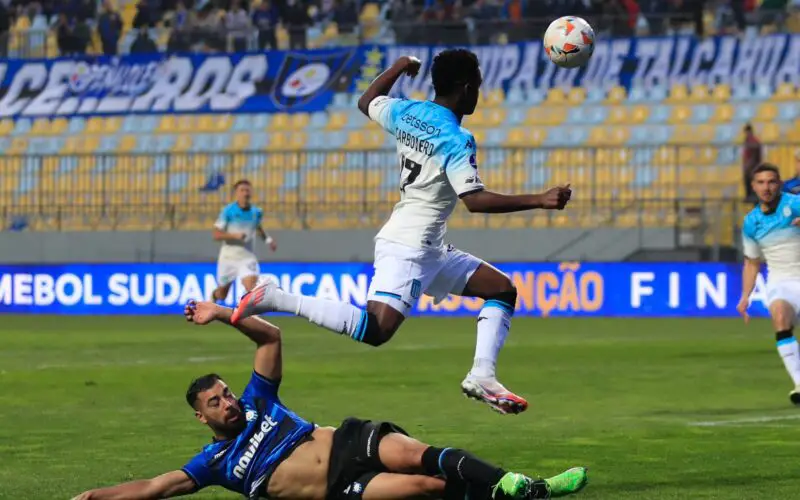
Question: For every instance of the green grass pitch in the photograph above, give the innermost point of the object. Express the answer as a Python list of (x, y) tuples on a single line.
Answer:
[(92, 401)]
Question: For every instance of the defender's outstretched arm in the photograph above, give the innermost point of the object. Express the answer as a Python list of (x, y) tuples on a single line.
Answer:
[(268, 360), (171, 484)]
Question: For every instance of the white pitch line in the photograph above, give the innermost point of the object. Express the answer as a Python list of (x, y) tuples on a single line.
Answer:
[(754, 420)]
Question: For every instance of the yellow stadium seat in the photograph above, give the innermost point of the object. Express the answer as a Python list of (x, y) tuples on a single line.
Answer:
[(240, 142), (766, 112), (526, 137), (336, 121), (616, 95), (618, 115), (639, 114), (576, 95), (785, 92), (664, 156), (545, 116), (127, 143), (721, 93), (58, 126), (6, 126), (182, 143), (770, 132), (699, 93), (168, 124), (723, 113), (679, 114), (678, 94), (279, 121), (556, 97), (19, 145), (40, 126)]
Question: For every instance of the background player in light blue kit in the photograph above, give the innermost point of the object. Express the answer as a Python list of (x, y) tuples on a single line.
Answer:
[(261, 449), (438, 166), (236, 227), (769, 234)]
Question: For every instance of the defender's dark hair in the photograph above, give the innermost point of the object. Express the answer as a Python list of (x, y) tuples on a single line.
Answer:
[(767, 167), (199, 385), (241, 182), (451, 68)]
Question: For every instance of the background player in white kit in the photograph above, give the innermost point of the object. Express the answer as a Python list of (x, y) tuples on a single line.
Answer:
[(437, 167), (769, 233), (237, 227)]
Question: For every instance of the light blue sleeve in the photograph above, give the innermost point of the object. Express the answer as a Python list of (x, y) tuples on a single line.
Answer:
[(259, 216), (383, 110), (461, 165), (223, 219), (750, 247)]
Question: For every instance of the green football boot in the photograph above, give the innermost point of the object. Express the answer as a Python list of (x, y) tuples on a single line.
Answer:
[(568, 482), (515, 486)]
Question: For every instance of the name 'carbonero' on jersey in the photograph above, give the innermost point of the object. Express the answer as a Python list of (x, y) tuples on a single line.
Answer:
[(437, 160), (772, 237)]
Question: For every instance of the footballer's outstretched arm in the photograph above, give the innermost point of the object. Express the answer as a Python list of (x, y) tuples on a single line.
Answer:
[(269, 240), (385, 81), (750, 270), (171, 484), (268, 359), (487, 202)]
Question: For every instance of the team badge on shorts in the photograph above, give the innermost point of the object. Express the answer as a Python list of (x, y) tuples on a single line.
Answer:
[(416, 289)]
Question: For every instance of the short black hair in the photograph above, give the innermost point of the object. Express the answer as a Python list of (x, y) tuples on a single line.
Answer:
[(748, 127), (241, 182), (453, 67), (767, 167), (199, 385)]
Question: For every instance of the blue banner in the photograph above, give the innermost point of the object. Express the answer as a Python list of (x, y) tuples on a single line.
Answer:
[(159, 83), (307, 80), (544, 289)]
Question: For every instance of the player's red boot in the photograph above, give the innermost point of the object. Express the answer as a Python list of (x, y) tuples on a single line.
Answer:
[(488, 390)]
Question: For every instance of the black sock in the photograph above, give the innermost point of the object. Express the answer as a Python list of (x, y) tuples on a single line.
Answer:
[(783, 334), (458, 465)]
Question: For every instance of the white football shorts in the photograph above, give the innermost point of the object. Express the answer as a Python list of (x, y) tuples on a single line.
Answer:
[(787, 290), (403, 274), (229, 268)]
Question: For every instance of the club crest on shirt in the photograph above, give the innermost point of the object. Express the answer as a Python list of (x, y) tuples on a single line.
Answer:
[(250, 415), (473, 160), (787, 212)]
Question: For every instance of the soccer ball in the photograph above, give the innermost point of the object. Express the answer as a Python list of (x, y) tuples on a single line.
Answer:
[(569, 41)]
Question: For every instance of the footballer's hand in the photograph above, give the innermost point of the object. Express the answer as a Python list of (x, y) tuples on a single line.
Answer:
[(796, 221), (556, 198), (200, 313), (410, 65), (744, 303), (243, 236), (273, 245)]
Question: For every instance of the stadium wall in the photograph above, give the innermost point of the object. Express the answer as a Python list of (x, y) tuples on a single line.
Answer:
[(544, 289), (498, 245)]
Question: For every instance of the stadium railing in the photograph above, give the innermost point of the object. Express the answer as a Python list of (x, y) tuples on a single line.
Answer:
[(697, 190)]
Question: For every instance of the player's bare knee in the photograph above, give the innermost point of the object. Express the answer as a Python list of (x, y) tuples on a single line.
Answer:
[(379, 330), (782, 316)]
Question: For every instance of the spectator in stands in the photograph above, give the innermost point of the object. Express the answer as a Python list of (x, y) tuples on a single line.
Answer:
[(345, 15), (5, 28), (402, 16), (793, 185), (109, 29), (237, 24), (144, 17), (484, 12), (266, 18), (180, 36), (208, 28), (72, 35), (143, 44), (751, 158), (297, 22)]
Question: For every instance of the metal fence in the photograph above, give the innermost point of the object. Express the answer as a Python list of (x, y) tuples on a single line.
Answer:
[(697, 190)]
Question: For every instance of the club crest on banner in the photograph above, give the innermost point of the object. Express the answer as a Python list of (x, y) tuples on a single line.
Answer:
[(304, 76)]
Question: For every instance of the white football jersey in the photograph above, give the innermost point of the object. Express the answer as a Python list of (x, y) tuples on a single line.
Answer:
[(436, 156), (772, 237)]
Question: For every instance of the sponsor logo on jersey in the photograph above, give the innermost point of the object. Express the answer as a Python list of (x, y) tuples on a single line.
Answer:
[(244, 462), (421, 125), (473, 160)]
